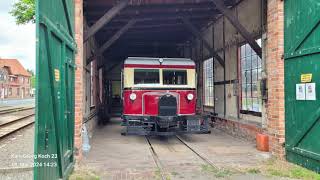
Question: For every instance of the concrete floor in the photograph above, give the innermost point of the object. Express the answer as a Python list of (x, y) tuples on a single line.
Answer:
[(113, 156)]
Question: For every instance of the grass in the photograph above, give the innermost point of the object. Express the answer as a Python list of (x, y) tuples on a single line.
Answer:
[(254, 171), (217, 172), (278, 168), (174, 173), (83, 175), (158, 175)]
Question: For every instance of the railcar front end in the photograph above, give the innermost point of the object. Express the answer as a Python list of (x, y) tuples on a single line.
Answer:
[(159, 97)]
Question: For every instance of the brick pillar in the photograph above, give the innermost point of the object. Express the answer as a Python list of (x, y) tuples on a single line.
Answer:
[(79, 80), (275, 70)]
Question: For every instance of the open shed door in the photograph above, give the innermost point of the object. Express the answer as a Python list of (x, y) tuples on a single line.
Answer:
[(54, 130), (302, 82)]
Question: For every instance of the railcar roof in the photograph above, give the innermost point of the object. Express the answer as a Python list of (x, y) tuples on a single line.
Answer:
[(156, 61)]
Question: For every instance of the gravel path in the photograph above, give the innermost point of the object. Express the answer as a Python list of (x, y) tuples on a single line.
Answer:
[(16, 151)]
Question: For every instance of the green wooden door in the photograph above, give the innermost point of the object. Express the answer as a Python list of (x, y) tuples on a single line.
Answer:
[(302, 82), (54, 131)]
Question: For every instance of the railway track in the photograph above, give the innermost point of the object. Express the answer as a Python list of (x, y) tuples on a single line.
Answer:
[(207, 161), (161, 168), (163, 172), (14, 109), (11, 124)]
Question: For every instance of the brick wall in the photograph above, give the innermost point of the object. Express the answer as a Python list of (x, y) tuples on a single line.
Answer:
[(275, 70), (79, 80), (16, 88), (237, 129)]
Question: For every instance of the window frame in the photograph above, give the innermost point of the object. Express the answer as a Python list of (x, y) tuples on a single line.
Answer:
[(207, 102), (240, 72), (141, 84), (175, 70)]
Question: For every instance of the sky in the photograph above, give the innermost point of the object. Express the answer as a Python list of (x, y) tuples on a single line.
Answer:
[(16, 41)]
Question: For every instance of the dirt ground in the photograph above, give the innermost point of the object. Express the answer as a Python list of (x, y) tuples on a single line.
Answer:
[(212, 156), (116, 157), (16, 155)]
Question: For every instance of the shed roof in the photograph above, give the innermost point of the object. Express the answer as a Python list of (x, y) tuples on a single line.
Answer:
[(159, 30), (14, 66)]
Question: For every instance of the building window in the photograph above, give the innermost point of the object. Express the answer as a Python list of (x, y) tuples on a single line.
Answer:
[(18, 91), (10, 91), (146, 76), (176, 77), (208, 82), (92, 88), (250, 75)]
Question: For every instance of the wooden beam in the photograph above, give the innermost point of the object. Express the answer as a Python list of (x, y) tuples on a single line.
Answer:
[(105, 19), (115, 37), (112, 40), (134, 3), (197, 33), (153, 18), (240, 28), (147, 26), (157, 10)]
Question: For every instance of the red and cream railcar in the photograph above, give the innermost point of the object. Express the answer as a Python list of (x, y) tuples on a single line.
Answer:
[(159, 97)]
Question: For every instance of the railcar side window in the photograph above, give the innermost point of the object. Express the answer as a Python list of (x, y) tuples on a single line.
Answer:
[(146, 76), (176, 77)]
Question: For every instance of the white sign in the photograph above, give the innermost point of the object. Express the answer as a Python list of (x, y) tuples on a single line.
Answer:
[(301, 91), (311, 91)]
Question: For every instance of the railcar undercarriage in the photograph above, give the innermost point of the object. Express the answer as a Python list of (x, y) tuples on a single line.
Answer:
[(165, 125)]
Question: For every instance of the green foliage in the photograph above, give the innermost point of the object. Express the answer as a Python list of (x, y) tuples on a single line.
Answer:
[(217, 172), (24, 11), (33, 81), (30, 71), (277, 168), (33, 78), (84, 175), (254, 171)]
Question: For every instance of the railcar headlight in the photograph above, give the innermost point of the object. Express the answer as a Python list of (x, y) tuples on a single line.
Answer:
[(133, 96), (190, 97)]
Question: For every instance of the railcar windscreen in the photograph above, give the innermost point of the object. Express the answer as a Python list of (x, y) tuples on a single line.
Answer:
[(146, 76), (174, 77)]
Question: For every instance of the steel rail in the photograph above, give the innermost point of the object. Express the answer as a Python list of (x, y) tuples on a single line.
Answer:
[(156, 160), (207, 161), (13, 110), (15, 121)]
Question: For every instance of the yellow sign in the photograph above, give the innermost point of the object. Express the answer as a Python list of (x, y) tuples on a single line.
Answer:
[(57, 74), (305, 78)]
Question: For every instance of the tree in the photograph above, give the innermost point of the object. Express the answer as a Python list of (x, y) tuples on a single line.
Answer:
[(32, 78), (24, 11), (33, 81), (31, 72)]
